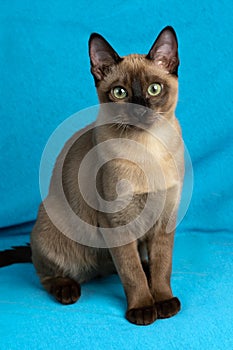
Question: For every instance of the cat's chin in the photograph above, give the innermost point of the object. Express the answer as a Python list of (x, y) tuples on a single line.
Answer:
[(143, 125), (138, 128)]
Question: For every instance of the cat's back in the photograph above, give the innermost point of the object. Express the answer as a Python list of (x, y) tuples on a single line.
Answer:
[(68, 162)]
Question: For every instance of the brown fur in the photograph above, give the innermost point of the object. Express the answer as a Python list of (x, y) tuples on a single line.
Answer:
[(64, 264)]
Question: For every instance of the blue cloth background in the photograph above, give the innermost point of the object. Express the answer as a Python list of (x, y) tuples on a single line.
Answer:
[(44, 78)]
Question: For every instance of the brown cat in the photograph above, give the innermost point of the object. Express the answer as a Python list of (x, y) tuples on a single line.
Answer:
[(137, 139)]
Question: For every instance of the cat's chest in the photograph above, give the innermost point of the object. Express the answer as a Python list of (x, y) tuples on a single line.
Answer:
[(148, 162), (159, 168)]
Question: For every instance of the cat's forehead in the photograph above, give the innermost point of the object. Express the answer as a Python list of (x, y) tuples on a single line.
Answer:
[(138, 65)]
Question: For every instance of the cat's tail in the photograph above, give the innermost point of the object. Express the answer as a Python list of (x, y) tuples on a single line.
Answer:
[(19, 254)]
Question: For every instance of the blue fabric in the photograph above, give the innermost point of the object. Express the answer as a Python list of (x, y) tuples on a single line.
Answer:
[(202, 278), (44, 78)]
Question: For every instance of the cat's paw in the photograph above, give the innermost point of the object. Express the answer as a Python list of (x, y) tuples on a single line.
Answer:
[(65, 290), (168, 308), (142, 316)]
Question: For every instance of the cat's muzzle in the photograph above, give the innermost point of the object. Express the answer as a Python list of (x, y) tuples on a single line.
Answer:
[(141, 115)]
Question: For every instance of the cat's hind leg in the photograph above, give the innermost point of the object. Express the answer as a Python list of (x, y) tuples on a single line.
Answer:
[(64, 289)]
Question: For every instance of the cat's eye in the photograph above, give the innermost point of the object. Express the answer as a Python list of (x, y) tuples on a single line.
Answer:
[(154, 89), (119, 92)]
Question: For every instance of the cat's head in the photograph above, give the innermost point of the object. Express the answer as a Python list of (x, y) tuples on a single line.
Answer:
[(149, 81)]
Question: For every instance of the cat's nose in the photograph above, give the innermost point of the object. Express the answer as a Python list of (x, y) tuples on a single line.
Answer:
[(139, 112)]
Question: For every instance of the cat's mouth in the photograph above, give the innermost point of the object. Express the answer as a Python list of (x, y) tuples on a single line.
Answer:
[(135, 120)]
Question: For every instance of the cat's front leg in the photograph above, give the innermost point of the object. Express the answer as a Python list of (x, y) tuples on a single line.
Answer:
[(141, 308), (160, 248)]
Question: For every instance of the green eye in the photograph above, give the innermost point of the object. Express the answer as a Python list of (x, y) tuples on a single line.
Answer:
[(119, 92), (154, 89)]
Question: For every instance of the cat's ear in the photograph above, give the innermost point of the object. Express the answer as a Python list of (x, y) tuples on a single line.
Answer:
[(102, 56), (164, 51)]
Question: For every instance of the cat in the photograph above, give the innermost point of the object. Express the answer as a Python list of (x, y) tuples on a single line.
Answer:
[(138, 97)]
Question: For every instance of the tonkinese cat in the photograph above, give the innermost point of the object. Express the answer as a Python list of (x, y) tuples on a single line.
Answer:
[(133, 153)]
